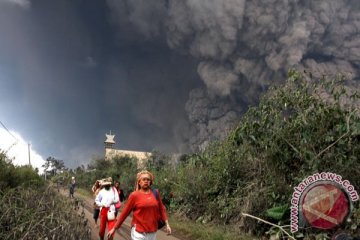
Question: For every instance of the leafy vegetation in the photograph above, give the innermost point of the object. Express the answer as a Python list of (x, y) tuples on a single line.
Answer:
[(122, 169), (302, 127), (29, 213), (13, 176), (31, 210), (52, 166), (199, 231)]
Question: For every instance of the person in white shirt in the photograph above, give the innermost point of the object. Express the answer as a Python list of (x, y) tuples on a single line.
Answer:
[(106, 199)]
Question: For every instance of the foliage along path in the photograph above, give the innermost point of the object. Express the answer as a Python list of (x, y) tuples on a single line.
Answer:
[(122, 233)]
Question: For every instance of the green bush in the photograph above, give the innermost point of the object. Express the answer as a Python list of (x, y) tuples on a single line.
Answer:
[(13, 176), (299, 128)]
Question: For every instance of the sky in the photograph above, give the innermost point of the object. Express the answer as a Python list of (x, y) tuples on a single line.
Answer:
[(20, 151), (161, 75)]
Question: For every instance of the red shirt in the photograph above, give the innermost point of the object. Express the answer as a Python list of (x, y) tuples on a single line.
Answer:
[(145, 209)]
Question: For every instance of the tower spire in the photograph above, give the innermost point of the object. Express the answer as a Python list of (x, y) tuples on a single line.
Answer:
[(109, 142)]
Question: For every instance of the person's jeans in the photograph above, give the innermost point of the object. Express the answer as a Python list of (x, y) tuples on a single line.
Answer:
[(142, 236)]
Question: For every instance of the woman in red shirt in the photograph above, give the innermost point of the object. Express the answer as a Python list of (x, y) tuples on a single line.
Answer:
[(146, 210)]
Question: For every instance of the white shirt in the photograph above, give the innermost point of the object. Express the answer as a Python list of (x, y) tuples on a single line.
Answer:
[(106, 198)]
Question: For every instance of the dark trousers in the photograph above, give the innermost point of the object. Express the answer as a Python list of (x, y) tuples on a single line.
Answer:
[(96, 214)]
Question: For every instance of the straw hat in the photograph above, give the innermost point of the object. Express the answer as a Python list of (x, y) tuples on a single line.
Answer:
[(106, 181)]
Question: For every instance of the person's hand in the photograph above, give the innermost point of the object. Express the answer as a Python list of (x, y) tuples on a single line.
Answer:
[(110, 233), (168, 229)]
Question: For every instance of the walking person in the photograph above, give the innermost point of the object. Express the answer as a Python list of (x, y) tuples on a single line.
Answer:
[(147, 209), (96, 189), (106, 199), (72, 187), (121, 197)]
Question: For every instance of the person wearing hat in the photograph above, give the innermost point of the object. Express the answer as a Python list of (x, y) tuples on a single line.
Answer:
[(147, 208), (106, 199), (96, 189)]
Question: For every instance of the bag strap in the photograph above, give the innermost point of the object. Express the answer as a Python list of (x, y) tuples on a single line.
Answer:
[(114, 192), (155, 192)]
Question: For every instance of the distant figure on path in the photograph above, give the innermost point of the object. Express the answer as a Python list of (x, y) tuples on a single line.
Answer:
[(72, 187)]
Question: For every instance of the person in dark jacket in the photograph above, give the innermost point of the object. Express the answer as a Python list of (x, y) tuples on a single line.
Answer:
[(121, 196)]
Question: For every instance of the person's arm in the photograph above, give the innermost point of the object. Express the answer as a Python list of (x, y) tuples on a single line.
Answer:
[(124, 214), (98, 199), (126, 211)]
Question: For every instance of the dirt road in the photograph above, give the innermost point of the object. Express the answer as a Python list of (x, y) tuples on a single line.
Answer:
[(122, 233)]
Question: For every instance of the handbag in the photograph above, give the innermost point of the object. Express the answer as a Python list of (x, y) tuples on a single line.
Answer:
[(110, 215), (117, 204), (160, 222)]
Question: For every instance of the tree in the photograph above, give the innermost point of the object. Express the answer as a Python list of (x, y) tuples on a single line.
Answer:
[(52, 166)]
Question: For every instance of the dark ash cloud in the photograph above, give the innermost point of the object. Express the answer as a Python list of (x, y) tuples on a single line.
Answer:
[(168, 75), (243, 46)]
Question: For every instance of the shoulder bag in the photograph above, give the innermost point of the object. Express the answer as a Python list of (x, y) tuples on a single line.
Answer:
[(161, 222), (118, 204)]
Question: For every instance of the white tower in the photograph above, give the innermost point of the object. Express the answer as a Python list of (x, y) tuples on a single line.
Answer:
[(109, 146), (109, 142)]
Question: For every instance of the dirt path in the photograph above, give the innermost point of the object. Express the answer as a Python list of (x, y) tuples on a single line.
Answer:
[(122, 233)]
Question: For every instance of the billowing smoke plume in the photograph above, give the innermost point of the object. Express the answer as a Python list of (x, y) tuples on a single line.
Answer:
[(245, 45)]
